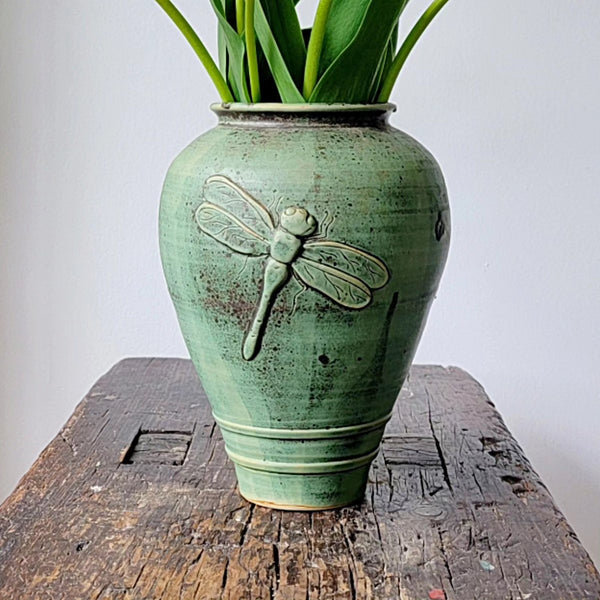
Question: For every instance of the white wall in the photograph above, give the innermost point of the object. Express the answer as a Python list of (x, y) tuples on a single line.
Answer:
[(97, 97)]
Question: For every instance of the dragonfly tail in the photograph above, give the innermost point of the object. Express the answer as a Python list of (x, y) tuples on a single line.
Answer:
[(276, 275), (252, 341), (251, 347)]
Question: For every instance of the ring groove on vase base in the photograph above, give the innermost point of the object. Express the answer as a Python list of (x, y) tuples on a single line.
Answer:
[(303, 468), (301, 434)]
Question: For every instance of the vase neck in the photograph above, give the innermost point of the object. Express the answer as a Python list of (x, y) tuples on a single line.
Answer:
[(298, 115)]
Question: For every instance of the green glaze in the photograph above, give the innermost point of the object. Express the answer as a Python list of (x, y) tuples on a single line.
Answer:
[(302, 246)]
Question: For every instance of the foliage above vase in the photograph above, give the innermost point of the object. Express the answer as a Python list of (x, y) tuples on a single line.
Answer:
[(351, 54)]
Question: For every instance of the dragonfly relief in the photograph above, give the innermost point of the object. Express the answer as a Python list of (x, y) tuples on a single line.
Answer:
[(291, 246)]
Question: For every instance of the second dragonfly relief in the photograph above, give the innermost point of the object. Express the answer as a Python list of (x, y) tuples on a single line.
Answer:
[(292, 247)]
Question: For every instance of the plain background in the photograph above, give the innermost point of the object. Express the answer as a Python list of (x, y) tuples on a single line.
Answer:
[(96, 98)]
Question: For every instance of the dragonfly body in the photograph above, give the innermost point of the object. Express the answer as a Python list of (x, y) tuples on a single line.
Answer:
[(285, 246), (295, 223), (341, 272)]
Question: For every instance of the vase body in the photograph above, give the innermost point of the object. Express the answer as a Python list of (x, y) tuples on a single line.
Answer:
[(302, 249)]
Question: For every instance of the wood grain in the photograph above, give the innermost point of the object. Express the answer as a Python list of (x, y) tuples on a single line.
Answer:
[(135, 498)]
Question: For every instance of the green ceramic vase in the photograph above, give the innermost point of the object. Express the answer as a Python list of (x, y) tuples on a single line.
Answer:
[(302, 247)]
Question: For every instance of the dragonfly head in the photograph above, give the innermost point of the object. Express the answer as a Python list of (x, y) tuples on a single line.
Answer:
[(298, 221)]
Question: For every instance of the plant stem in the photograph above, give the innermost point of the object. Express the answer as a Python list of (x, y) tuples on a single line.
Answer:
[(406, 48), (251, 52), (192, 37), (315, 45), (239, 16)]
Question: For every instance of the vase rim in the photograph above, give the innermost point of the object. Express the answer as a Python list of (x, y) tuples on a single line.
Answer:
[(223, 108)]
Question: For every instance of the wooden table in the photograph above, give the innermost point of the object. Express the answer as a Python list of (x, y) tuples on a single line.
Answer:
[(135, 498)]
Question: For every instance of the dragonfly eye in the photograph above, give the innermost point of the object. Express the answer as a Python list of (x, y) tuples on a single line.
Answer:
[(289, 211), (311, 221)]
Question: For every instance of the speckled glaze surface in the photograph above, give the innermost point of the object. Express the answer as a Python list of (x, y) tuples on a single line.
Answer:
[(302, 247)]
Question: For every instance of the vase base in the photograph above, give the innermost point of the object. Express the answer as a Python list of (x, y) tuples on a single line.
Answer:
[(302, 492), (293, 507)]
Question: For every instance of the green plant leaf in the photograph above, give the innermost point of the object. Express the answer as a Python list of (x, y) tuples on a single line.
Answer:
[(350, 77), (315, 46), (236, 54), (283, 21), (244, 95), (268, 89), (288, 90), (385, 64), (252, 49), (229, 12), (345, 17), (222, 45)]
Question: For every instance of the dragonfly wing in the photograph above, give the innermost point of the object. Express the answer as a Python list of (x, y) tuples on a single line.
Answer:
[(227, 194), (353, 261), (226, 228), (333, 283)]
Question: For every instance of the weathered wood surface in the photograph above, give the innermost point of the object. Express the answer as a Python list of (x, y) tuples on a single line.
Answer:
[(135, 498)]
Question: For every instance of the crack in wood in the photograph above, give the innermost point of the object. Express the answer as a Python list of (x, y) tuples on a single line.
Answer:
[(246, 526), (277, 574), (438, 445), (224, 579), (445, 557), (351, 561)]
